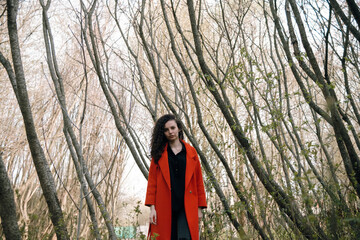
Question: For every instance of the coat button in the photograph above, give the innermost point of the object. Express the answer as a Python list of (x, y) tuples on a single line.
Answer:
[(190, 191)]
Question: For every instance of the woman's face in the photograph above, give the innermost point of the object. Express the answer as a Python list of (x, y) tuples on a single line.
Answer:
[(171, 130)]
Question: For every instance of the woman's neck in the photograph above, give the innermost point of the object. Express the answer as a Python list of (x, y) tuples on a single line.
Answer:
[(175, 144)]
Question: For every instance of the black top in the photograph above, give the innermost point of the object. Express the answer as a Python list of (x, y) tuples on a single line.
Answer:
[(177, 167)]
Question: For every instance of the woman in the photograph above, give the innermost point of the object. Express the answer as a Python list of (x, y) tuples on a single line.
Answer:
[(175, 190)]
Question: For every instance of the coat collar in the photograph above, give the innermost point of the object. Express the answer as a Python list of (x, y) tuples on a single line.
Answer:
[(190, 164)]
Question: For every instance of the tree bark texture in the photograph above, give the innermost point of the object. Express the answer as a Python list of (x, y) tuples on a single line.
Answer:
[(7, 205)]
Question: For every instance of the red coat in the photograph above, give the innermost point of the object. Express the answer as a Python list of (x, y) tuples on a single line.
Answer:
[(158, 193)]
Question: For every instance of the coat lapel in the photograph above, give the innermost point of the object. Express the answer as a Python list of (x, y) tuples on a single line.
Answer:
[(164, 166), (190, 164)]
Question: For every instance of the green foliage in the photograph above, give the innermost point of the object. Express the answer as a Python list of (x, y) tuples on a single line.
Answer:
[(154, 236)]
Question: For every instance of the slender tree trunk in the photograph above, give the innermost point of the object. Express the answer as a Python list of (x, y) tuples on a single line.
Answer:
[(57, 79), (42, 168), (7, 205)]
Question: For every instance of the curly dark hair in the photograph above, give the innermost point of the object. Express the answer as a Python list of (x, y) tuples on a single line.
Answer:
[(158, 139)]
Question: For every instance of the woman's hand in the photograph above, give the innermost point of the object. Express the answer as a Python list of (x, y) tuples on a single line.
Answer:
[(153, 217), (200, 214)]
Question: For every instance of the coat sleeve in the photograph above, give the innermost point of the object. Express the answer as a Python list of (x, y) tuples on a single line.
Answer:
[(200, 184), (152, 184)]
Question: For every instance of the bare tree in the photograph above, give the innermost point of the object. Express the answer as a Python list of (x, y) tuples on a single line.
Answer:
[(17, 79), (7, 205)]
